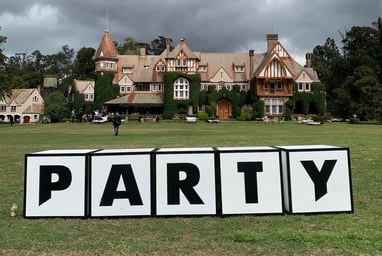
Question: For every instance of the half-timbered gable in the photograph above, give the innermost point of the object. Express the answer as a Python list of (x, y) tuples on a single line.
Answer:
[(182, 59)]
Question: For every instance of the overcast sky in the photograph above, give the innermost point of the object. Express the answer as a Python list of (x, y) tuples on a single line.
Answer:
[(207, 25)]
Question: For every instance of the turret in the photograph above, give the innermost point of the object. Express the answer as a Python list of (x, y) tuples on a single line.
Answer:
[(106, 56)]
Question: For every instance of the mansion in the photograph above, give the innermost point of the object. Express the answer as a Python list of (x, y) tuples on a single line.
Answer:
[(273, 77)]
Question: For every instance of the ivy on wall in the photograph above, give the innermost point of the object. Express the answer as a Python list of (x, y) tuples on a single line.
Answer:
[(209, 98), (308, 102), (172, 106)]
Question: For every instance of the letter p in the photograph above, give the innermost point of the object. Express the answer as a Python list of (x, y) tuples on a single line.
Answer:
[(46, 183)]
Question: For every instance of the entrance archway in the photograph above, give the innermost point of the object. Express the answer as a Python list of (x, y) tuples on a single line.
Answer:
[(224, 109)]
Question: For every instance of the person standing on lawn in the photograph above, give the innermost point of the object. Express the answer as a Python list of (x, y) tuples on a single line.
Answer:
[(116, 123)]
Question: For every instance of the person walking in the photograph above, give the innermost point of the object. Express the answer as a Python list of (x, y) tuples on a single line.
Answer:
[(116, 123)]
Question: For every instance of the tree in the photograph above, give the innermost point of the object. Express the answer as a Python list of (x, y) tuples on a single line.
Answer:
[(331, 68), (84, 63), (129, 47), (361, 45), (158, 45), (55, 107), (3, 40)]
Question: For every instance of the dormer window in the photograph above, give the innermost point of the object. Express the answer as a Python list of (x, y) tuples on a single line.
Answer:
[(160, 68), (202, 68), (304, 87), (239, 69), (127, 70)]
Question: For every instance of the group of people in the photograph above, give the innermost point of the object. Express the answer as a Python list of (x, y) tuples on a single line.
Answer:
[(80, 116)]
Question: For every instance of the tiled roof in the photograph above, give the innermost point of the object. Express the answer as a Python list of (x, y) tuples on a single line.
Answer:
[(106, 47), (81, 85), (182, 46), (138, 98), (19, 96)]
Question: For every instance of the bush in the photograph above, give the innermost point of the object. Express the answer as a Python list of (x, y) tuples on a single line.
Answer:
[(133, 116), (202, 116), (244, 116)]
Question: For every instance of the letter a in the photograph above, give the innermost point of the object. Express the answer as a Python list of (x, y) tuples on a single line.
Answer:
[(131, 192)]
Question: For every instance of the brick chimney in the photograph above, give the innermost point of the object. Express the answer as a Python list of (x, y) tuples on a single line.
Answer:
[(308, 58), (272, 40), (142, 50), (168, 44), (251, 59)]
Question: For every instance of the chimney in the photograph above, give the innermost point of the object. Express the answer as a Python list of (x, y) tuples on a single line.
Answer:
[(308, 58), (142, 50), (168, 43), (272, 40), (251, 57)]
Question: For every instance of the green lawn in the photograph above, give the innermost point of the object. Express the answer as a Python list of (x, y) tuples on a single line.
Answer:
[(320, 234)]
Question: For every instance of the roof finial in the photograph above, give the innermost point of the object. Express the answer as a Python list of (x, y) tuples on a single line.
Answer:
[(107, 19)]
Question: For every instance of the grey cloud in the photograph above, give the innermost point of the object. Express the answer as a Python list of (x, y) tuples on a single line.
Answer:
[(209, 26)]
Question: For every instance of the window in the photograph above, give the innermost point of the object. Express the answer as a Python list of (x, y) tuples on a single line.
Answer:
[(202, 69), (13, 108), (157, 87), (89, 97), (274, 106), (160, 68), (273, 85), (35, 99), (142, 87), (109, 65), (127, 70), (239, 69), (181, 89), (3, 108), (304, 87)]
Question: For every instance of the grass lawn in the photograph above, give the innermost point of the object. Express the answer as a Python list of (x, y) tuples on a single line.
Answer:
[(320, 234)]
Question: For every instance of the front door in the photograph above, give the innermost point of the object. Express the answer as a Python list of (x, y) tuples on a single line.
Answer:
[(224, 109)]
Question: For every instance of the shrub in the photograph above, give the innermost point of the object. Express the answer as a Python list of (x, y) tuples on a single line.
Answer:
[(202, 116), (244, 116)]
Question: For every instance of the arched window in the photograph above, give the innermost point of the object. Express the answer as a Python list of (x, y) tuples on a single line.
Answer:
[(181, 89)]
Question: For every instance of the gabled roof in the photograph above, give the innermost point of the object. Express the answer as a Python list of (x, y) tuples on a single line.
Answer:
[(82, 85), (106, 47), (20, 96), (181, 46), (143, 70), (268, 59)]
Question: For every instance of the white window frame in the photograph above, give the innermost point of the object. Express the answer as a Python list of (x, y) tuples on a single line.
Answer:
[(239, 69), (181, 89), (274, 106)]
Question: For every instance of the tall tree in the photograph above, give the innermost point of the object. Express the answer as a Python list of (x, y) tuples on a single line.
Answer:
[(3, 39), (158, 45), (84, 63), (129, 47)]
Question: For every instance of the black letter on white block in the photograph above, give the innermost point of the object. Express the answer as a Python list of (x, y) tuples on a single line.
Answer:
[(174, 185), (250, 170), (46, 184), (110, 192), (319, 178)]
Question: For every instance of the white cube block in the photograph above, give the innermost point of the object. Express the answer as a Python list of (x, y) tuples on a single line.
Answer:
[(316, 179)]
